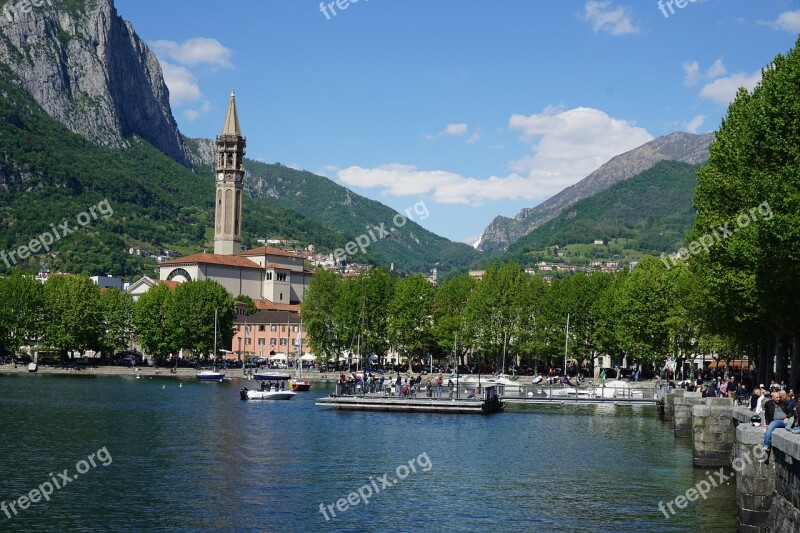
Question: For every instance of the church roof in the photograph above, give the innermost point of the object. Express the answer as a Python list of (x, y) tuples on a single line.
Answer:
[(269, 250), (231, 126), (214, 259), (268, 305)]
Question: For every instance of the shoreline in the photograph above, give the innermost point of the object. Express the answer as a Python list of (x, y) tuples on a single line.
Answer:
[(236, 373)]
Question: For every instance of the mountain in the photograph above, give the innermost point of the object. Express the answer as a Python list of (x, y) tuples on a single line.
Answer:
[(681, 147), (50, 176), (411, 248), (649, 213), (87, 68)]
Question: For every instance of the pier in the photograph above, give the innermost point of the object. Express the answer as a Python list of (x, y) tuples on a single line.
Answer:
[(489, 402)]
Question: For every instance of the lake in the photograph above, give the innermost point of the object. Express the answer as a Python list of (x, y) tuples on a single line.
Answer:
[(195, 457)]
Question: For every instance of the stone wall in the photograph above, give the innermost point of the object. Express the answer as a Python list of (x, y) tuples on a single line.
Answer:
[(767, 488), (669, 404), (713, 432), (683, 412)]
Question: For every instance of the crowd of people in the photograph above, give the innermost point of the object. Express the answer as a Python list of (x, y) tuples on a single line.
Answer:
[(403, 387)]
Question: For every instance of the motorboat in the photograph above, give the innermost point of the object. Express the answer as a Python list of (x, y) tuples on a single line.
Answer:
[(210, 375), (271, 376), (274, 386), (300, 385), (618, 389), (568, 392), (248, 394), (508, 384), (33, 367)]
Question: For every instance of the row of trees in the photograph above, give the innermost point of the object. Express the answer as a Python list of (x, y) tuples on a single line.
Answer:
[(70, 313), (645, 315)]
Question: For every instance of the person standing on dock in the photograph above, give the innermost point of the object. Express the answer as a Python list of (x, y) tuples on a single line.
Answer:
[(451, 387), (439, 383)]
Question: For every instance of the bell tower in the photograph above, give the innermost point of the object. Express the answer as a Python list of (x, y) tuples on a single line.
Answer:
[(230, 180)]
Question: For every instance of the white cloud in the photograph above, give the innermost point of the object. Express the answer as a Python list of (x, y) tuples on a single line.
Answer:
[(182, 84), (451, 130), (692, 73), (616, 21), (786, 21), (191, 115), (723, 90), (695, 124), (456, 130), (566, 146), (194, 52), (475, 137)]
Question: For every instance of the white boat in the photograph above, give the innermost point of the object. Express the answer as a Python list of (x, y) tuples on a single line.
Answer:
[(509, 384), (568, 392), (274, 386), (618, 389), (247, 394), (209, 375)]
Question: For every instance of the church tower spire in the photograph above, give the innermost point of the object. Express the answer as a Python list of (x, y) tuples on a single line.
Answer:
[(230, 180)]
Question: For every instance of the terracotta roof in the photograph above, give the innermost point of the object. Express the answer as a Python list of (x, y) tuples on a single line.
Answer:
[(269, 250), (168, 282), (213, 259), (269, 305), (269, 317)]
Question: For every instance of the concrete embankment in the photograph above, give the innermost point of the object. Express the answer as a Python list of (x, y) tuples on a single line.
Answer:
[(767, 483)]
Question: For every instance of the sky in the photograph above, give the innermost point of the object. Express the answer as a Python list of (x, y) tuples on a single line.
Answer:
[(475, 108)]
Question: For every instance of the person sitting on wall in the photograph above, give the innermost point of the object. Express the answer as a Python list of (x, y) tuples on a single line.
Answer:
[(776, 415)]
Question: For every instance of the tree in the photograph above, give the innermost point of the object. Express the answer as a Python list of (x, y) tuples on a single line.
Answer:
[(21, 311), (449, 320), (191, 312), (494, 311), (410, 315), (319, 313), (117, 311), (150, 322), (73, 318)]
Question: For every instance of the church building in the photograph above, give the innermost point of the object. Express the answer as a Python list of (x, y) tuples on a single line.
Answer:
[(273, 278)]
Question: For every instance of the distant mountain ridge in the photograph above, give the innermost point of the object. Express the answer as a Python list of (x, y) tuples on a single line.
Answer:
[(679, 146), (89, 70)]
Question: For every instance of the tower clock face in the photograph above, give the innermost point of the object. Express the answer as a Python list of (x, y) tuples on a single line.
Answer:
[(220, 176)]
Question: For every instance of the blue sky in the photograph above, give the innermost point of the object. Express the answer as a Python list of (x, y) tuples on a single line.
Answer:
[(477, 108)]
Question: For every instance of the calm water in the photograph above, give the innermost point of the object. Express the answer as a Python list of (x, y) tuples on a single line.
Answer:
[(197, 458)]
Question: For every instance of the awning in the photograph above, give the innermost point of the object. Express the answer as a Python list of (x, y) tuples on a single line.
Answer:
[(308, 357), (278, 357)]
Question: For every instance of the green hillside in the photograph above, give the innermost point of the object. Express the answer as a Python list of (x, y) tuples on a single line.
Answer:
[(49, 175), (650, 213), (411, 249)]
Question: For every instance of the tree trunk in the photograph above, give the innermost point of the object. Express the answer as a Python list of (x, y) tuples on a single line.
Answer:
[(794, 380), (763, 360), (780, 358)]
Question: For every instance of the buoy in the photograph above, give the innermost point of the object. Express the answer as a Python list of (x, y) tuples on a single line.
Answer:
[(163, 386), (180, 385)]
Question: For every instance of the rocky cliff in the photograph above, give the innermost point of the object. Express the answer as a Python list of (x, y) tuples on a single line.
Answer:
[(682, 147), (90, 71)]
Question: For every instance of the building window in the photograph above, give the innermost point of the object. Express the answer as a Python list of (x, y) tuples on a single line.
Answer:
[(295, 342), (247, 340), (261, 327), (280, 297), (268, 276), (283, 342), (272, 342), (281, 276), (283, 328), (295, 328), (273, 328), (261, 342)]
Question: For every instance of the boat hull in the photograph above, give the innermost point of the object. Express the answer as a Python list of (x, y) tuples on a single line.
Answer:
[(300, 386), (246, 394), (210, 376)]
